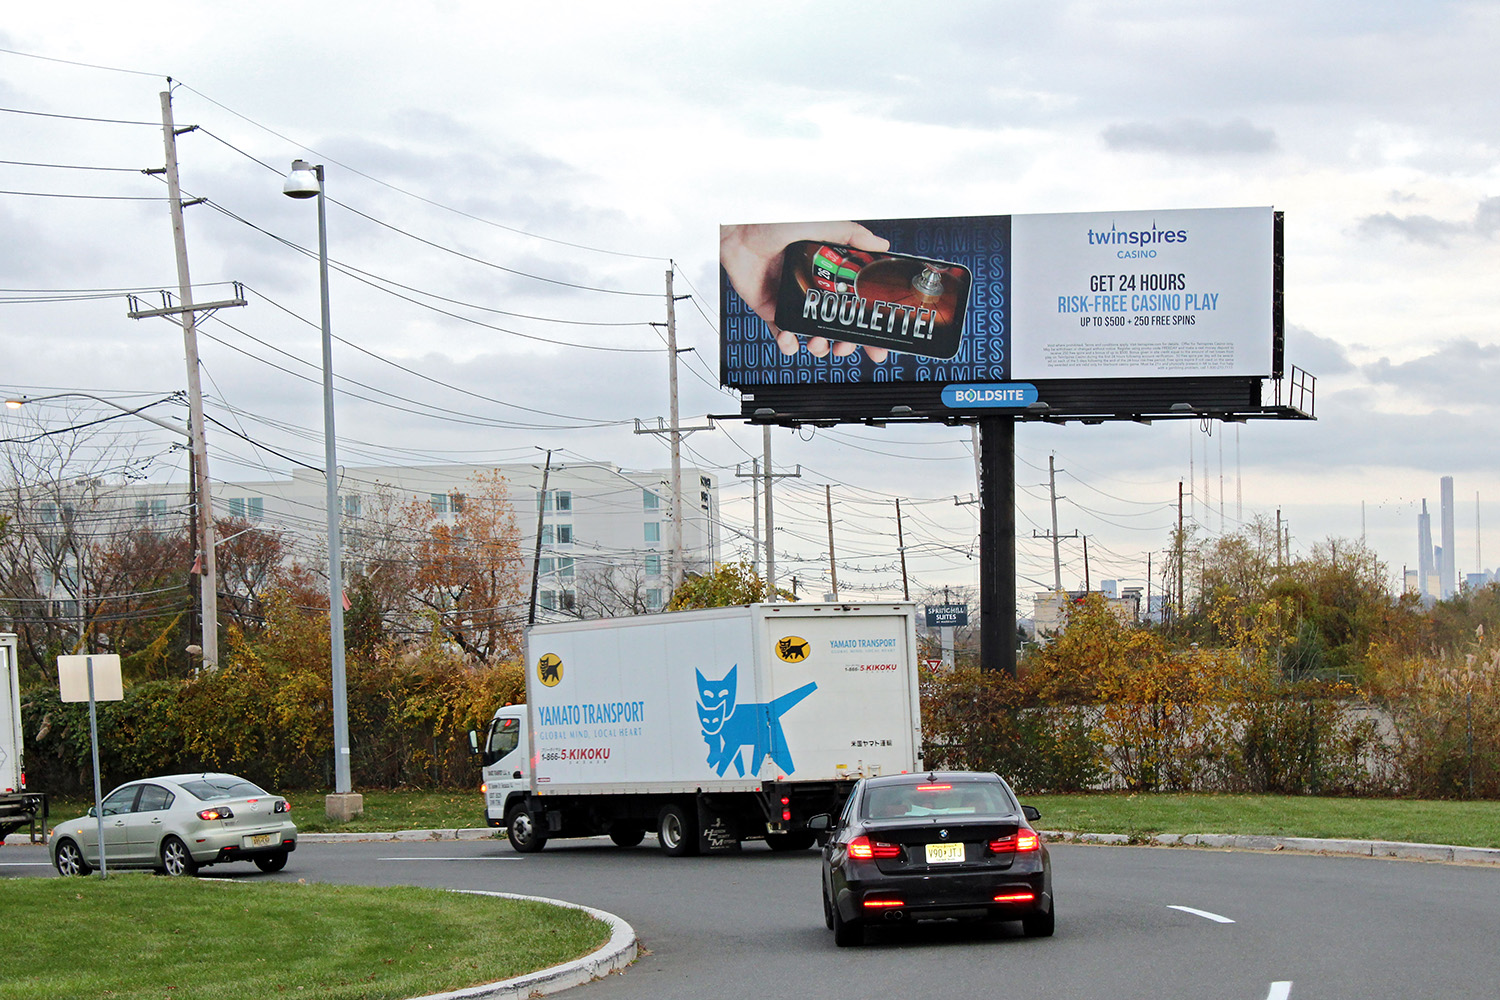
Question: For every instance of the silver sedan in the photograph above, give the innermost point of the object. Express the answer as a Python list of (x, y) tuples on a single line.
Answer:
[(178, 823)]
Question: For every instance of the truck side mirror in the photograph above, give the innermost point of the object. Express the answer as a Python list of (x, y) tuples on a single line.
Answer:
[(473, 742)]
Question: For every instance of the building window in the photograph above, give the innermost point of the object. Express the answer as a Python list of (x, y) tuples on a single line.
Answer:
[(237, 508), (547, 599), (650, 500), (158, 508), (564, 500), (653, 531), (654, 599), (556, 500), (439, 503), (141, 509), (548, 535), (564, 534), (653, 565), (565, 567), (456, 502), (351, 505), (705, 482), (544, 567)]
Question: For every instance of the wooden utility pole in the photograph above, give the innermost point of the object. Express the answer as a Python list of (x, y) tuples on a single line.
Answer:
[(536, 554), (833, 566), (901, 545)]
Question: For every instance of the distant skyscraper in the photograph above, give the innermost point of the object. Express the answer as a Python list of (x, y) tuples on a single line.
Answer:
[(1424, 550), (1447, 566)]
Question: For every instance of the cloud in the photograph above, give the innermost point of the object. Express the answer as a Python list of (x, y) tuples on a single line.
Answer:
[(1191, 137), (1457, 375), (1433, 231)]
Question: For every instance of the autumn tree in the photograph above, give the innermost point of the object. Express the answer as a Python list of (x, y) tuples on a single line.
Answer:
[(728, 585)]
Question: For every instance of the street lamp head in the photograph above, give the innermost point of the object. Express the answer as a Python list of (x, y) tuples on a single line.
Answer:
[(15, 404), (303, 181)]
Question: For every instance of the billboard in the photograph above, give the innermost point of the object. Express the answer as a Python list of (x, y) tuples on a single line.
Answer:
[(979, 310)]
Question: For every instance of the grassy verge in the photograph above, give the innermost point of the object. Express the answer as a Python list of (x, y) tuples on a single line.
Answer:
[(137, 936), (1470, 824)]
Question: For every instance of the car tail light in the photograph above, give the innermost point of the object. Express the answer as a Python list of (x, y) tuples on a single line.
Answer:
[(882, 904), (1016, 897), (216, 812), (865, 849), (1021, 842), (282, 806), (934, 788)]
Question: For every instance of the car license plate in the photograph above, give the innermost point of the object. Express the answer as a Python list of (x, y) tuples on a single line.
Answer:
[(938, 854), (258, 840)]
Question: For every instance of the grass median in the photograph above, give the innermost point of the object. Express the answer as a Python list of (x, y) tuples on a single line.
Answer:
[(137, 935)]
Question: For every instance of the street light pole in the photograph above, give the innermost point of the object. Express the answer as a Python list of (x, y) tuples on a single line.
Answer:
[(306, 181)]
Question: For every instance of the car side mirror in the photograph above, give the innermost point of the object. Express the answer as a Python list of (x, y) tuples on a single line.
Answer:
[(93, 811), (820, 822), (1032, 813), (473, 742)]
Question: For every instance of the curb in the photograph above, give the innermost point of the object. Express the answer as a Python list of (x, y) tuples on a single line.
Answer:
[(466, 833), (616, 953), (1312, 845)]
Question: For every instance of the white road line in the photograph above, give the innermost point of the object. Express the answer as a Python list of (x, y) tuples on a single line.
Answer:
[(24, 864), (1280, 991), (409, 858), (1203, 913)]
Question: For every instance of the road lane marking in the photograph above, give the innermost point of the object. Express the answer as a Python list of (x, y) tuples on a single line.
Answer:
[(1202, 913), (24, 864), (1280, 991)]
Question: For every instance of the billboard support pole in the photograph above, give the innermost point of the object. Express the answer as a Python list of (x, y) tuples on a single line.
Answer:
[(997, 544)]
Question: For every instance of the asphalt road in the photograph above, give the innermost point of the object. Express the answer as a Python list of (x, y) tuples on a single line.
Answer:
[(751, 925)]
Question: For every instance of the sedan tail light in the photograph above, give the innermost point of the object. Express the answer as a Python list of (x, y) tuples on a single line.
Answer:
[(1020, 842), (1016, 897), (216, 812), (865, 849)]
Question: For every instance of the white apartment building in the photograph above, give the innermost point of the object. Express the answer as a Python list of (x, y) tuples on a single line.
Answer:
[(596, 519)]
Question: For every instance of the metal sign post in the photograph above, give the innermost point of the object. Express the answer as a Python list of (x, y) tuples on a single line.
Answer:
[(95, 679)]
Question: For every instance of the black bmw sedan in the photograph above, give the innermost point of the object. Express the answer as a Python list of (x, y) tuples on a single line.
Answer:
[(935, 846)]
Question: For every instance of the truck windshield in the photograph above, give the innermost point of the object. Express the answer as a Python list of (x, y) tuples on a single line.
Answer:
[(505, 736)]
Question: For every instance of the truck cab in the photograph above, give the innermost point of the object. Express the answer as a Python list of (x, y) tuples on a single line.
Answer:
[(505, 763)]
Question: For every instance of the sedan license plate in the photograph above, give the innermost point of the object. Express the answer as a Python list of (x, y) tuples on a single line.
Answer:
[(258, 840), (938, 854)]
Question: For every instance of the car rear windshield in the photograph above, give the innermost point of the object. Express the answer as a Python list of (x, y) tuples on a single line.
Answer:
[(938, 798), (213, 789)]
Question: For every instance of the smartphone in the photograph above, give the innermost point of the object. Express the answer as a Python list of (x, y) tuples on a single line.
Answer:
[(911, 304)]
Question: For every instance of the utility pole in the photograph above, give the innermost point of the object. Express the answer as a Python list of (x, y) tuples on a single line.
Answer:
[(1086, 585), (536, 555), (186, 311), (771, 477), (675, 432), (901, 545), (1182, 556), (754, 476), (1056, 538), (833, 566)]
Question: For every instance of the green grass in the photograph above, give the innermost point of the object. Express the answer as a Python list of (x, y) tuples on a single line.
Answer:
[(440, 810), (1470, 824), (137, 936)]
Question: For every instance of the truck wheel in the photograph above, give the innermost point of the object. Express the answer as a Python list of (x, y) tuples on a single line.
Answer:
[(626, 836), (799, 841), (525, 836), (677, 831)]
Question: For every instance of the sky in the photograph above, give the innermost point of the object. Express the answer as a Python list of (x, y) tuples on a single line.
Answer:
[(510, 183)]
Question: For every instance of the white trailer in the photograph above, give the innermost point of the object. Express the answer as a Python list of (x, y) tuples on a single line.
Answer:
[(18, 807), (707, 728)]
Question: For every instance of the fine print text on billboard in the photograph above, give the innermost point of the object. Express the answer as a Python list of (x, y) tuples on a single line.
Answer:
[(983, 304)]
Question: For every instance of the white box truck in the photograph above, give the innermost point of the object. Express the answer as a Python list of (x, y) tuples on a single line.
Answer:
[(706, 728), (18, 807)]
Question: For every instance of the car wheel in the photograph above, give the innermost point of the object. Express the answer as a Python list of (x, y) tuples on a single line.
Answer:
[(175, 858), (271, 862), (846, 933), (1040, 924), (789, 841), (676, 831), (525, 837), (626, 836), (827, 910), (69, 859)]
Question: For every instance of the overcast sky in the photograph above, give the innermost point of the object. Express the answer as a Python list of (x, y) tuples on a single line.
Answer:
[(514, 179)]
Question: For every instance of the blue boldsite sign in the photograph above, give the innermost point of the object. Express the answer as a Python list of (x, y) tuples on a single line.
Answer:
[(947, 615)]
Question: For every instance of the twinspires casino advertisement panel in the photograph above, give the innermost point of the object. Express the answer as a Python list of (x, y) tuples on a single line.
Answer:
[(932, 308), (989, 299)]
